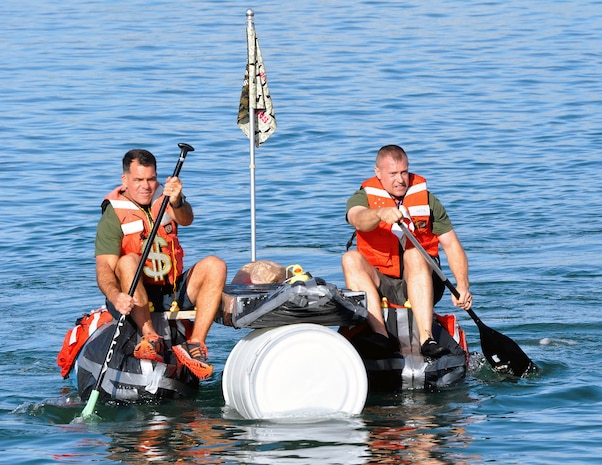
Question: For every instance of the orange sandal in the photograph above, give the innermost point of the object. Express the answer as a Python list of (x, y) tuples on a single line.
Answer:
[(150, 348), (193, 356)]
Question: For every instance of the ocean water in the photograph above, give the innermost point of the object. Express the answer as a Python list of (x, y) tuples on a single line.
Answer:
[(498, 105)]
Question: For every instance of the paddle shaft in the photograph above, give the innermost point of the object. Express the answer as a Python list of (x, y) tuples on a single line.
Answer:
[(89, 408), (431, 261)]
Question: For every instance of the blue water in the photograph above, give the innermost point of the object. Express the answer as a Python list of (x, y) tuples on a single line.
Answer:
[(498, 104)]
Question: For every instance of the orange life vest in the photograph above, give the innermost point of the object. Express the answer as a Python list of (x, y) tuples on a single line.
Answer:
[(166, 259), (77, 337), (380, 246)]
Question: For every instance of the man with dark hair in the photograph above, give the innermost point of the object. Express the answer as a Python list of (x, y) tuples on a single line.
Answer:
[(129, 212), (385, 264)]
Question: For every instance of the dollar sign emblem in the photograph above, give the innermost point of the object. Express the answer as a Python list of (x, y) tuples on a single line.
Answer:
[(160, 263)]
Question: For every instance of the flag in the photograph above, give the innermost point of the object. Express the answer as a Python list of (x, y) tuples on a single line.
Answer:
[(255, 92)]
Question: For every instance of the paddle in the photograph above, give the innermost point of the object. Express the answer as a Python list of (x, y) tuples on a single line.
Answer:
[(91, 404), (501, 352)]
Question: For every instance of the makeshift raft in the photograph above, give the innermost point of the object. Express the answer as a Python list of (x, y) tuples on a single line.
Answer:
[(313, 303)]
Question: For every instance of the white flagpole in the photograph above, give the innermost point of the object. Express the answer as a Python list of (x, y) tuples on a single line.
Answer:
[(256, 118), (252, 102), (252, 169)]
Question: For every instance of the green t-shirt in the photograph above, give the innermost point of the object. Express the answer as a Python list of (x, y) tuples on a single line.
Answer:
[(108, 234), (439, 219)]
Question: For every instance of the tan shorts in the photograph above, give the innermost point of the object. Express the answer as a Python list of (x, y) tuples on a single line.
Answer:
[(396, 289)]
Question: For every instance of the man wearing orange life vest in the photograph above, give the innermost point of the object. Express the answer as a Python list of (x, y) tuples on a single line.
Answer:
[(128, 217), (386, 266)]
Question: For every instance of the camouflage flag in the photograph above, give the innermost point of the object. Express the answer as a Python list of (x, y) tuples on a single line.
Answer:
[(255, 92)]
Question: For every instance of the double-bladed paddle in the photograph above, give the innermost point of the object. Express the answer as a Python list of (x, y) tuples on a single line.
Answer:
[(91, 404), (501, 352)]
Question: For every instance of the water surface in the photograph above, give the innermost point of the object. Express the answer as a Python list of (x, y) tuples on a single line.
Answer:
[(498, 105)]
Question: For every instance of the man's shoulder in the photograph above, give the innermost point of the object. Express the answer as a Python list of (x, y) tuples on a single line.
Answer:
[(107, 211), (441, 221), (106, 203), (359, 197), (108, 219), (108, 234), (433, 200)]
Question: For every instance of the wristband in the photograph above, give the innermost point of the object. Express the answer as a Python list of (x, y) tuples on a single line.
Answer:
[(180, 204)]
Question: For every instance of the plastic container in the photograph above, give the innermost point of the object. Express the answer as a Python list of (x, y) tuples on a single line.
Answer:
[(300, 370), (295, 273)]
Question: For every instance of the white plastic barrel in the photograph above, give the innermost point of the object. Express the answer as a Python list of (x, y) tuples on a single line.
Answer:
[(301, 370)]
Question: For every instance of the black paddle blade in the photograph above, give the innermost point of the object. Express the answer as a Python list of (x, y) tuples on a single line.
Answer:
[(504, 355)]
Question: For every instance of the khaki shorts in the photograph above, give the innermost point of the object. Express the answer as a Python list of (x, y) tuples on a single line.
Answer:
[(396, 289)]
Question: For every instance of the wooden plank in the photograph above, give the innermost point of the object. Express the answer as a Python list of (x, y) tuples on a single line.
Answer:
[(181, 315)]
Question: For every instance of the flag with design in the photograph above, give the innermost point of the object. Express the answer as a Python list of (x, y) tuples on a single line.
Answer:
[(255, 92)]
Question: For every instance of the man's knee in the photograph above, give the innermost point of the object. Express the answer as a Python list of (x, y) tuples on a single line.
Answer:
[(351, 259), (212, 267), (414, 263)]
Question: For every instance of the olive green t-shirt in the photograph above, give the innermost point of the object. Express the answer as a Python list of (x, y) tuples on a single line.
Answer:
[(108, 234), (439, 219)]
